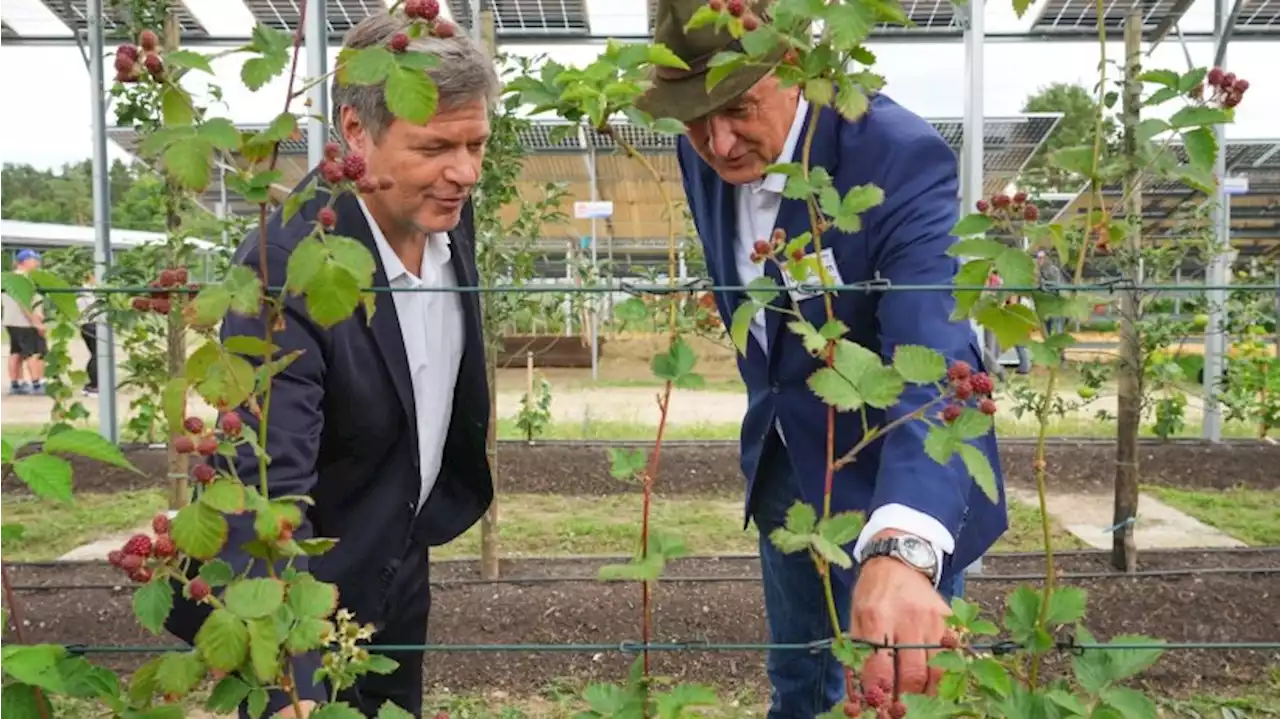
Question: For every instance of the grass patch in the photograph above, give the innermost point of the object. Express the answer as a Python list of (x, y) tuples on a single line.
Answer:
[(1250, 515), (531, 525)]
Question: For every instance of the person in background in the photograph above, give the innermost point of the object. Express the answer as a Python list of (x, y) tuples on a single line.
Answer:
[(1051, 274), (89, 333), (25, 328)]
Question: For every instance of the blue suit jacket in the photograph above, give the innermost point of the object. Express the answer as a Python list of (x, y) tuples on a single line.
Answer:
[(904, 241)]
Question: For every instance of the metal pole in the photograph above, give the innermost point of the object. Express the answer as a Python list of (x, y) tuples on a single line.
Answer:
[(107, 424), (595, 271), (971, 160), (317, 41), (1215, 339)]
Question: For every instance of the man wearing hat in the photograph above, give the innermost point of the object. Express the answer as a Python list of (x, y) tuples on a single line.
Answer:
[(926, 521), (25, 328)]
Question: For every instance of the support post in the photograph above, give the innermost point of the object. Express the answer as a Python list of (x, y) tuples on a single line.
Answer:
[(108, 424), (593, 300), (1219, 266), (315, 35), (490, 545), (971, 158)]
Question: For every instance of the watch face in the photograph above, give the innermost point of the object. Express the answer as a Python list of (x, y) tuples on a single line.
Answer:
[(917, 553)]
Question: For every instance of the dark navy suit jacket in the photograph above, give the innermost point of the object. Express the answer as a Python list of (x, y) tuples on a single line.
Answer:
[(904, 241), (342, 430)]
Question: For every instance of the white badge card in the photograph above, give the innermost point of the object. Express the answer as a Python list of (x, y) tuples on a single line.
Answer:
[(828, 260)]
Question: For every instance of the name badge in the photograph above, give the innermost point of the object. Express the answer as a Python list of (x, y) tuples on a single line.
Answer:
[(828, 260)]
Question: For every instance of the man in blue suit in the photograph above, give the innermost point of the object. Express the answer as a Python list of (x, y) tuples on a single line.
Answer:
[(926, 521)]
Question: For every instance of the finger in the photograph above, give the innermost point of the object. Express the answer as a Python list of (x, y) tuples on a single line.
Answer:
[(878, 669), (912, 666), (949, 639)]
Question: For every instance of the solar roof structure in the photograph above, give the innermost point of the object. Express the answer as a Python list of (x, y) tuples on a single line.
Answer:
[(74, 14)]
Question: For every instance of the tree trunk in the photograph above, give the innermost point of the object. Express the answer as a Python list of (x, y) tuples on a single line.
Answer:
[(1124, 551)]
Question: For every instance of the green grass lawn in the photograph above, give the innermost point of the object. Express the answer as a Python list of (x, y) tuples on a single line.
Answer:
[(1250, 515)]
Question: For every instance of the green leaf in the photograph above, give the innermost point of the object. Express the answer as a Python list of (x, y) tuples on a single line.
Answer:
[(1130, 703), (179, 673), (740, 326), (220, 132), (35, 664), (174, 397), (332, 296), (190, 163), (970, 225), (672, 705), (188, 59), (971, 424), (22, 700), (411, 95), (90, 445), (1016, 268), (65, 302), (47, 476), (216, 572), (227, 695), (1200, 116), (701, 17), (1074, 159), (176, 107), (255, 598), (801, 518), (390, 710), (637, 570), (1149, 128), (307, 634), (1012, 324), (819, 92), (264, 648), (881, 387), (626, 464), (831, 552), (977, 247), (1168, 78), (6, 453), (789, 542), (20, 288), (980, 469), (676, 363), (250, 345), (992, 676), (152, 603), (1202, 148), (309, 597), (1021, 612), (226, 495), (199, 530), (210, 305), (659, 54), (365, 66), (220, 377), (835, 390), (841, 528), (1020, 7), (918, 364), (223, 640), (851, 102), (273, 44)]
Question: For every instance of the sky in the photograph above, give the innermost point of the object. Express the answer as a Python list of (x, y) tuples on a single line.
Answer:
[(48, 88)]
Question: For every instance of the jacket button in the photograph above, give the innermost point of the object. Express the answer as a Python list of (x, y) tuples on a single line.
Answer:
[(774, 389)]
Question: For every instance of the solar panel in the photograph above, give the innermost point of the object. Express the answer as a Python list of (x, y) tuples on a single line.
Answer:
[(532, 17), (1080, 17), (75, 14), (340, 15), (1258, 17)]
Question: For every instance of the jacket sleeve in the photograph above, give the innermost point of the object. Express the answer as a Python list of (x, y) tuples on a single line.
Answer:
[(914, 229), (296, 419)]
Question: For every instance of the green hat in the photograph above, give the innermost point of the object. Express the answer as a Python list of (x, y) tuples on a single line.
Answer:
[(682, 94)]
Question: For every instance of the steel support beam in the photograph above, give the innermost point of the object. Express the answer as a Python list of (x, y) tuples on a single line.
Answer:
[(315, 36), (974, 138), (108, 425), (1218, 272)]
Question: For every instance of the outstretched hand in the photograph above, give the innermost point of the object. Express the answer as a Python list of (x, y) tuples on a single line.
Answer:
[(895, 604)]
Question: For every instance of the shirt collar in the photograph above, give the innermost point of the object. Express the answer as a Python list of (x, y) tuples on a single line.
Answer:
[(437, 249), (775, 181)]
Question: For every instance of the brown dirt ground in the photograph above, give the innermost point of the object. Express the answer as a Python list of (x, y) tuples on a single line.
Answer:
[(583, 469), (1211, 607)]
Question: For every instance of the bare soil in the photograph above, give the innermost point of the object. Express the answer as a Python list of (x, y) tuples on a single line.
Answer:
[(712, 468), (1194, 606)]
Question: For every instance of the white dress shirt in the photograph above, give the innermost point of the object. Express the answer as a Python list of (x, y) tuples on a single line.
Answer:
[(431, 326), (757, 213)]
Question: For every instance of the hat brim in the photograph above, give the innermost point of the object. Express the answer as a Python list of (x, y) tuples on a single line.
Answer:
[(686, 99)]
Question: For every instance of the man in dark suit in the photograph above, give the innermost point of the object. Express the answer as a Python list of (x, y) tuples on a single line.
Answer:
[(926, 522), (383, 425)]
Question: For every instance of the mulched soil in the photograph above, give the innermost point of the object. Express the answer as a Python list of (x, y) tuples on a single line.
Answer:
[(1197, 605), (583, 469)]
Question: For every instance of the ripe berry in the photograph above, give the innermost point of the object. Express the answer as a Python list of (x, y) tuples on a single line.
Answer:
[(1215, 77), (443, 29), (353, 167), (963, 389), (331, 170), (430, 9), (1228, 80), (129, 51), (130, 563), (958, 371), (142, 304), (124, 63), (327, 217), (983, 206), (762, 248), (126, 76), (160, 306), (737, 7), (1001, 201), (987, 406), (164, 547), (160, 524), (898, 710), (1019, 198), (367, 185), (790, 58), (399, 42), (332, 151), (875, 696), (1031, 213), (203, 473), (139, 545), (231, 424), (949, 414), (180, 276), (154, 65), (199, 589), (982, 383), (1240, 85), (115, 557), (797, 254), (750, 22), (141, 576), (148, 40), (716, 5), (207, 446), (414, 8), (184, 444), (194, 425), (852, 709), (1231, 100), (949, 641)]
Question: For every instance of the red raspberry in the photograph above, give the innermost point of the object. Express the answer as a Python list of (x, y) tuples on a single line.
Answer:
[(126, 76), (204, 473), (1228, 80), (160, 524), (430, 9), (982, 383), (154, 65), (180, 276), (797, 254), (1019, 198), (160, 306), (139, 545), (399, 42), (875, 696), (898, 710), (353, 167), (142, 304), (987, 406), (148, 40), (231, 424), (737, 7), (116, 558), (142, 576), (164, 547), (386, 183), (286, 530), (716, 5), (367, 185), (327, 217), (199, 589), (762, 248), (331, 170), (755, 257), (750, 22), (950, 414), (1231, 100), (983, 206), (1240, 85), (958, 371), (130, 563), (414, 8), (1001, 201), (207, 446), (124, 64), (962, 389), (332, 151), (852, 709), (129, 51), (950, 641), (1215, 77), (443, 29), (1031, 213), (183, 444), (194, 425)]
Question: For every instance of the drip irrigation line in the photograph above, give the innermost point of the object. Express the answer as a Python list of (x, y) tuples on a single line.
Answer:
[(735, 579)]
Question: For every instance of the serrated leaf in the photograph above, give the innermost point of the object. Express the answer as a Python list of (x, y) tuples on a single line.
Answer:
[(918, 364), (190, 163), (411, 95), (802, 518), (365, 66), (841, 528), (1066, 606), (188, 59), (881, 387), (309, 597), (626, 464), (216, 572), (992, 676), (254, 598), (1074, 159), (264, 648), (307, 634), (831, 552), (977, 247), (220, 132), (47, 476), (659, 54), (227, 695), (1012, 324), (176, 107), (179, 673), (332, 295), (199, 530), (971, 424), (1200, 116), (223, 640), (1202, 148), (789, 542), (940, 444), (1016, 268), (390, 710), (226, 495), (152, 603), (835, 390), (1149, 128), (980, 469), (90, 445), (971, 225), (740, 326), (221, 378)]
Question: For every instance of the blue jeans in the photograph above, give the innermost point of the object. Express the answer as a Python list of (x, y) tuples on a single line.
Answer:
[(805, 683)]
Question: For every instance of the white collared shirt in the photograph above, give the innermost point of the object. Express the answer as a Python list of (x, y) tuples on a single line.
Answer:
[(757, 213), (431, 327)]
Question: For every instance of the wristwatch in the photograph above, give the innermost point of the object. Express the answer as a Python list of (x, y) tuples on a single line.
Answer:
[(913, 551)]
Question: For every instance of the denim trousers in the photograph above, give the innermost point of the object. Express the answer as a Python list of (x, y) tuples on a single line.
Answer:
[(804, 683)]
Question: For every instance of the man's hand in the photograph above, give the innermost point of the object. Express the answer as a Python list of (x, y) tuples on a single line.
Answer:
[(306, 705), (895, 604)]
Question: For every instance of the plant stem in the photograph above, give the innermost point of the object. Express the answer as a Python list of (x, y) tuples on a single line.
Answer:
[(15, 612)]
